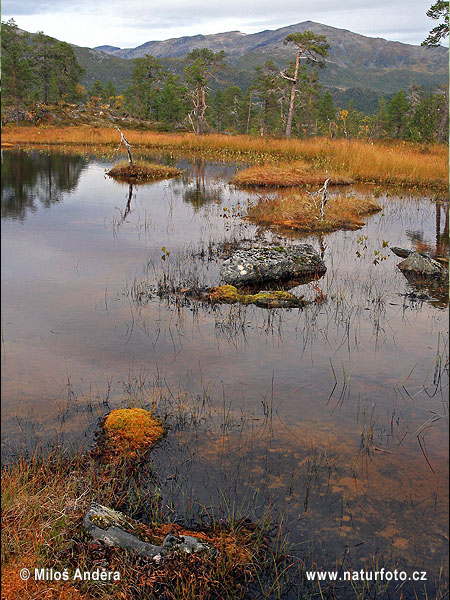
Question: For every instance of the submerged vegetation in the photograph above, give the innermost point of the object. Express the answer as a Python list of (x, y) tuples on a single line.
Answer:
[(141, 172), (45, 498), (300, 212)]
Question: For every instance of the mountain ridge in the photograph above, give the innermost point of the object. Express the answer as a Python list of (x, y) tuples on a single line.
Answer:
[(358, 67)]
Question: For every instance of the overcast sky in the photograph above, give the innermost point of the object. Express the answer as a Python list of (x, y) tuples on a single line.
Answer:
[(129, 23)]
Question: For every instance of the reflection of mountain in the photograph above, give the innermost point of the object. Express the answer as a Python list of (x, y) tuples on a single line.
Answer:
[(28, 177)]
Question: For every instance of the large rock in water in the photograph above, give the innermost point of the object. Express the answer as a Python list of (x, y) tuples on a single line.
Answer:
[(267, 264), (418, 265)]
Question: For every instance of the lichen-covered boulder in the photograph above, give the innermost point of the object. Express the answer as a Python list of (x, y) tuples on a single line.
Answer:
[(271, 263), (418, 265)]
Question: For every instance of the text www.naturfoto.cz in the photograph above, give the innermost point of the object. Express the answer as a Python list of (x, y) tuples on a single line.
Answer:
[(381, 575)]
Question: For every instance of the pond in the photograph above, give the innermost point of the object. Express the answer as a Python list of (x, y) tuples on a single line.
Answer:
[(334, 415)]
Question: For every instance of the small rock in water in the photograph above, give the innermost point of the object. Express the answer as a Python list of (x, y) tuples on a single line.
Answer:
[(418, 265), (402, 252)]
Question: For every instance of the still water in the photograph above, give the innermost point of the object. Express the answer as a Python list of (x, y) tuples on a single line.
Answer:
[(335, 415)]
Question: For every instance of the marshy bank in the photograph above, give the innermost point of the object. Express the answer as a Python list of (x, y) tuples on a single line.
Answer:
[(400, 163), (333, 416)]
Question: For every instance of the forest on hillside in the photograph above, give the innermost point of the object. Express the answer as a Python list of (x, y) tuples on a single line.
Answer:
[(40, 71)]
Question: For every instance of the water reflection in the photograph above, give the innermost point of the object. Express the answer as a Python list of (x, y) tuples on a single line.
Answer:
[(200, 189), (33, 176)]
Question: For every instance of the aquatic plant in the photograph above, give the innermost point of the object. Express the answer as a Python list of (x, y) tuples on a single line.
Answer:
[(229, 294)]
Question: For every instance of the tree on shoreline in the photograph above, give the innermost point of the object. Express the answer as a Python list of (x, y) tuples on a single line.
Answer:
[(312, 47), (202, 64)]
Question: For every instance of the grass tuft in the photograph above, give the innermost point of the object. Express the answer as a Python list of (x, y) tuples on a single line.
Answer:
[(142, 172)]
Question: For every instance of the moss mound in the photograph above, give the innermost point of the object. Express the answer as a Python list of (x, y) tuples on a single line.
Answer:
[(142, 172), (131, 431), (229, 294)]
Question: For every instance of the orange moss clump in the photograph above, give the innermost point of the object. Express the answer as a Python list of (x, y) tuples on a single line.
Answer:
[(297, 211), (132, 431), (285, 175)]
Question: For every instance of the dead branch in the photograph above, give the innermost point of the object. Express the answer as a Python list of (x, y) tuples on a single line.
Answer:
[(126, 144)]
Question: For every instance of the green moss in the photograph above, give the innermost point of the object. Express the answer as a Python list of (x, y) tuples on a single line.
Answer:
[(229, 294)]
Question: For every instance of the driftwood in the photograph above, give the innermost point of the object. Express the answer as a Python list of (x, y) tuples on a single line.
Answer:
[(127, 146), (324, 191)]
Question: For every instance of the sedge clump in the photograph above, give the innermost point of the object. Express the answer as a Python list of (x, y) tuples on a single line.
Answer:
[(131, 431)]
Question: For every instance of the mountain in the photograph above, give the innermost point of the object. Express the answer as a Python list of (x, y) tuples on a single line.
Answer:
[(358, 67)]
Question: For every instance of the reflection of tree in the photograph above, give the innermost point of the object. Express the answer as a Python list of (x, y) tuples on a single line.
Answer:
[(201, 191), (441, 239), (434, 291), (31, 176)]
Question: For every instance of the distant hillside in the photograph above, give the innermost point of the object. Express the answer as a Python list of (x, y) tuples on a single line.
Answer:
[(354, 60), (358, 67)]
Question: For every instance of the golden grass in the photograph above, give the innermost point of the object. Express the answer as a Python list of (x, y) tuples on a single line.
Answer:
[(297, 211), (285, 175), (142, 172), (38, 506), (382, 162), (131, 431)]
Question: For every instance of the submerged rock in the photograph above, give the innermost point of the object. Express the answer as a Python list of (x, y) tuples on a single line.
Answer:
[(418, 265), (267, 264), (113, 528)]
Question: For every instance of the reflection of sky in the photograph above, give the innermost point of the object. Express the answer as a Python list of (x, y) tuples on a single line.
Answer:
[(60, 265)]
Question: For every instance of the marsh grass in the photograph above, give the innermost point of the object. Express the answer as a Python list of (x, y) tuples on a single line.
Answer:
[(298, 211), (401, 163), (285, 175)]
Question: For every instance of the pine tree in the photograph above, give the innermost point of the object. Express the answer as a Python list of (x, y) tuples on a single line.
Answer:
[(397, 115), (438, 10), (312, 47), (17, 66), (202, 64)]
